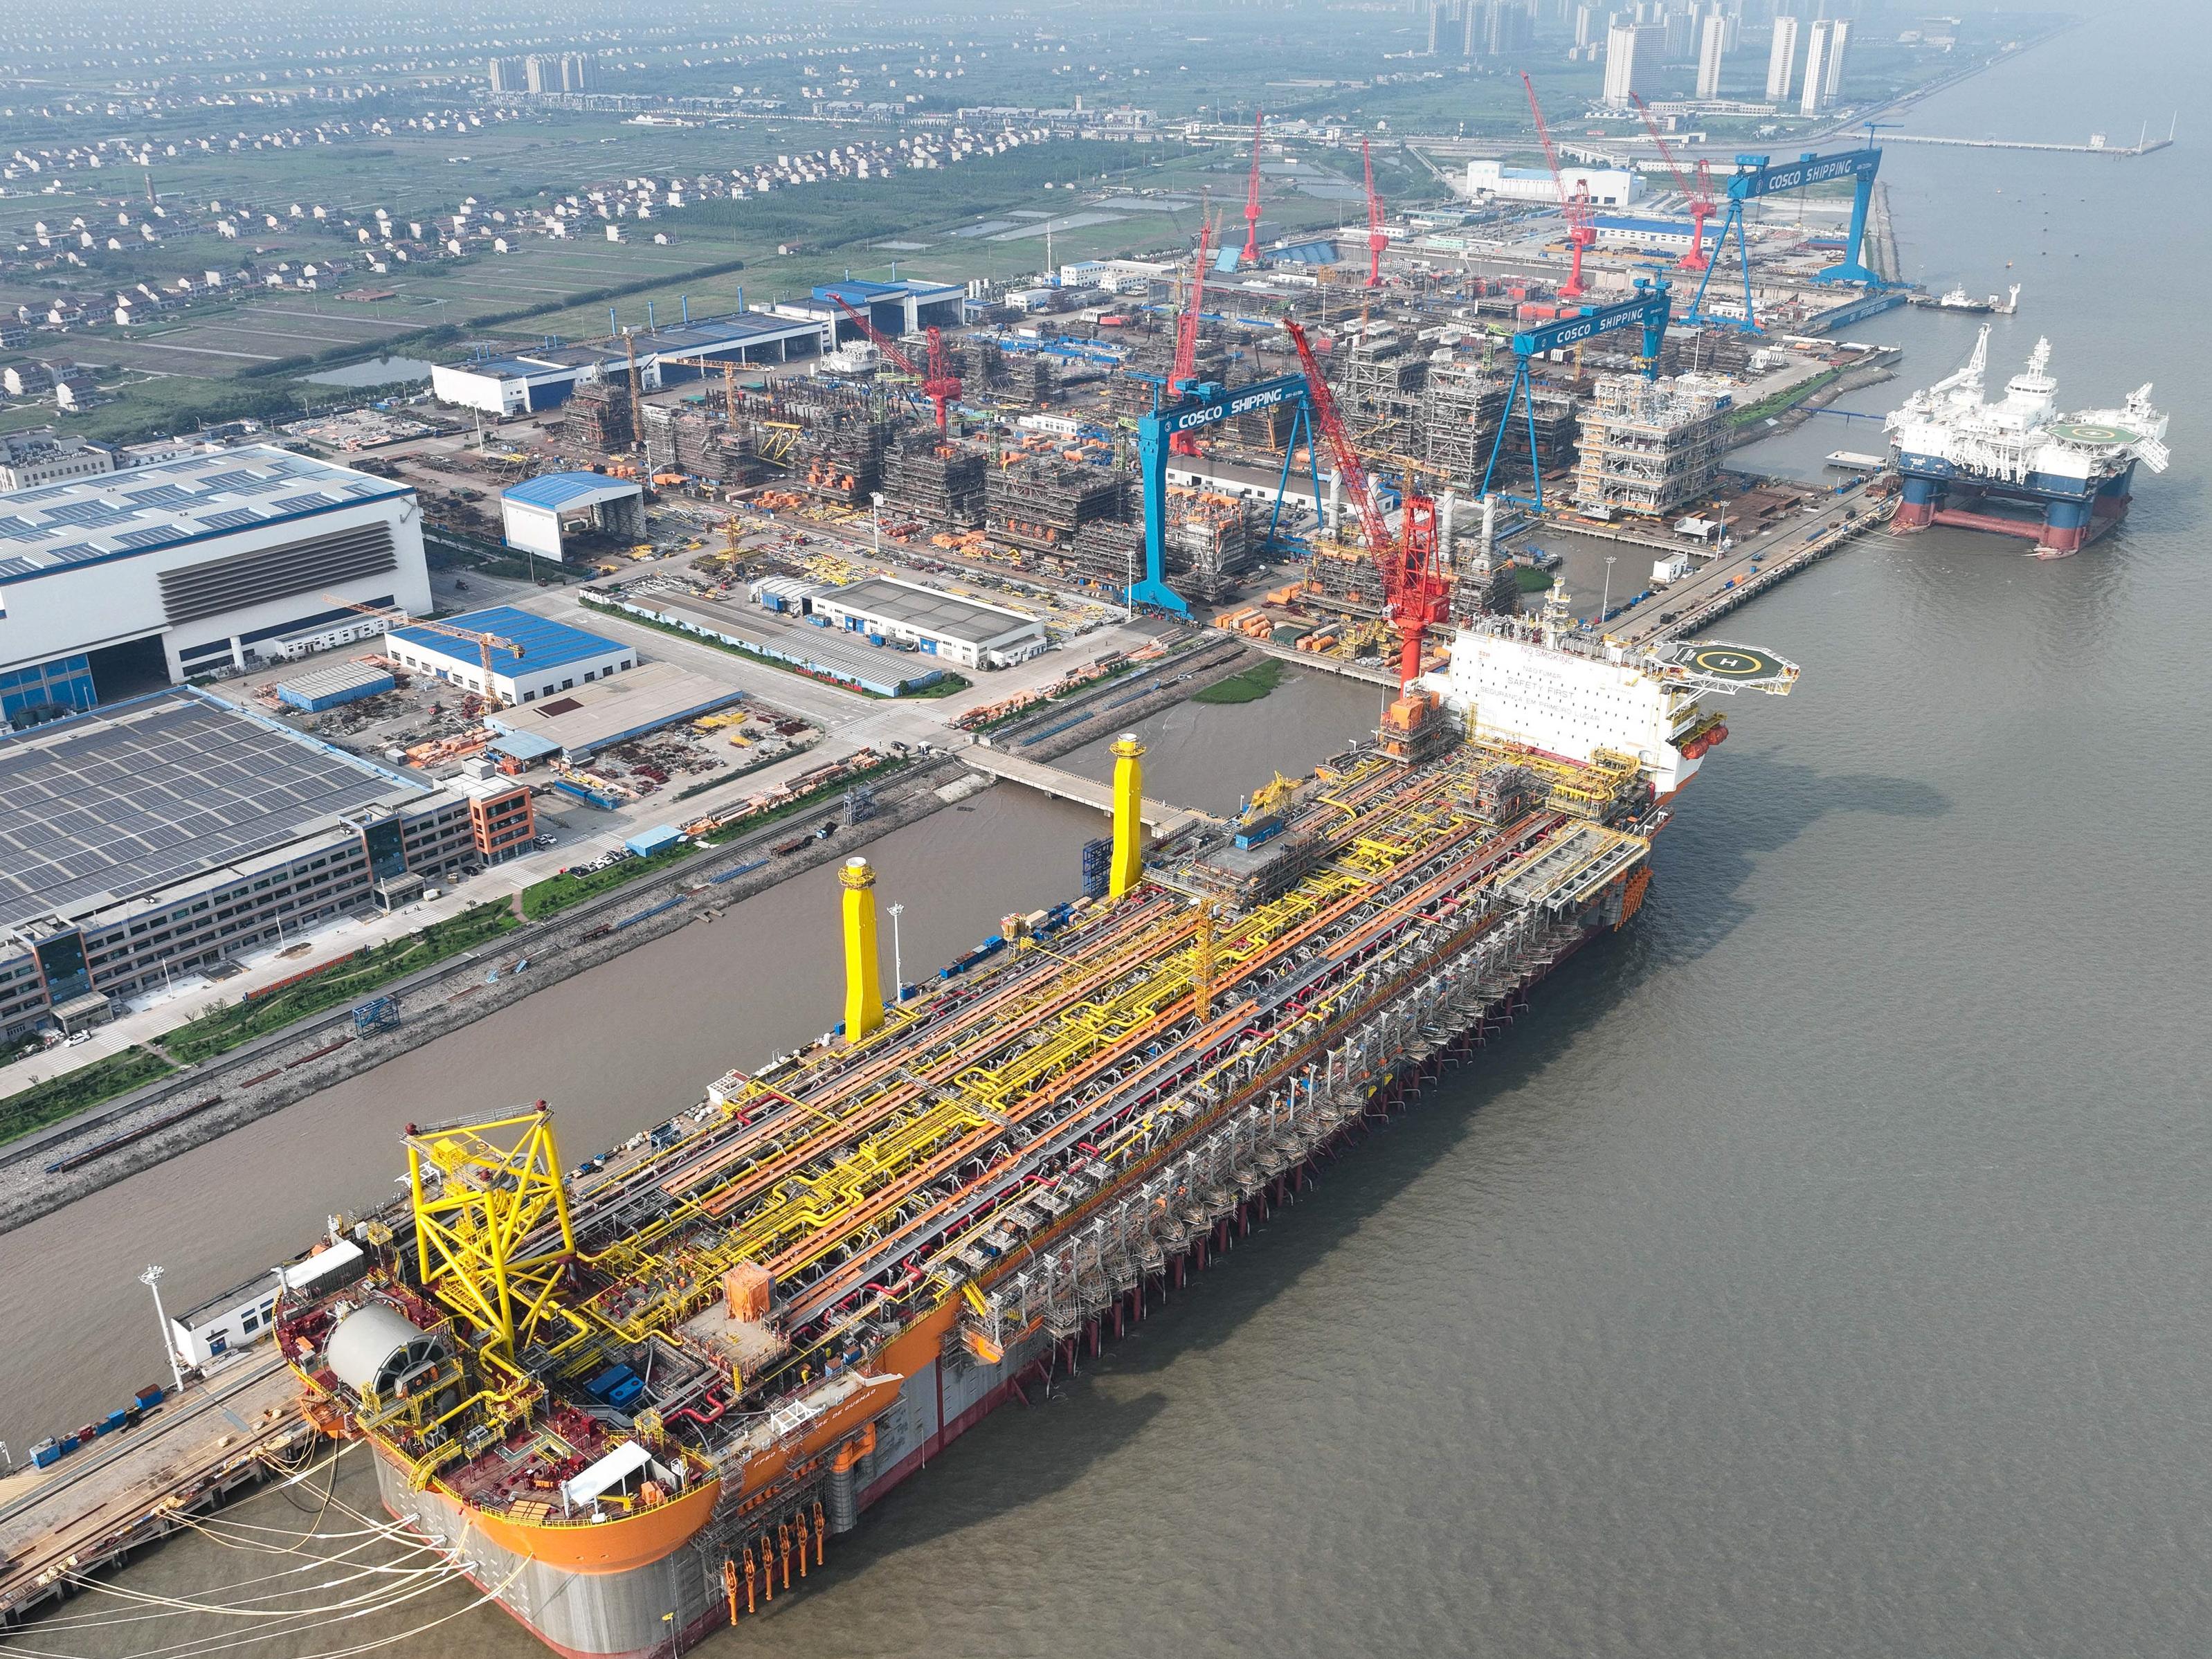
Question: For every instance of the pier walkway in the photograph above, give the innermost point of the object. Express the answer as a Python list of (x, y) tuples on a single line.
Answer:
[(2142, 149), (187, 1455), (1164, 820), (1750, 568)]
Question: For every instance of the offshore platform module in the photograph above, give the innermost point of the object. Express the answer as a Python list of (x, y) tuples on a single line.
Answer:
[(635, 1402), (1962, 458)]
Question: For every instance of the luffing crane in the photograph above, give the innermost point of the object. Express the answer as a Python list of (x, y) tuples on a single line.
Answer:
[(1582, 232), (1376, 241), (1252, 193), (485, 643), (1185, 373), (1418, 593), (1699, 196), (939, 384)]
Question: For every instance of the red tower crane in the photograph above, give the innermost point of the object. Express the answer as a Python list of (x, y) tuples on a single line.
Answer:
[(1418, 593), (1376, 241), (1700, 195), (939, 384), (1186, 358), (1252, 194), (1581, 233)]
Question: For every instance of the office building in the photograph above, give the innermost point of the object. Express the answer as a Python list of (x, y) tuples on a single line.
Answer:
[(1815, 95), (1782, 60), (1839, 37), (1619, 63), (29, 459), (167, 834), (1712, 41)]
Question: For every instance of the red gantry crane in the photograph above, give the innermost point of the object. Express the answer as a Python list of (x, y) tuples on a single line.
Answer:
[(1414, 586), (1699, 196), (1252, 194), (1582, 232), (939, 384), (1376, 241), (1180, 378)]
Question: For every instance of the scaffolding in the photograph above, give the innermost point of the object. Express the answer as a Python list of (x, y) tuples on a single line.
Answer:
[(1459, 422), (1485, 587), (1218, 539), (685, 441), (1379, 386), (596, 421), (1039, 501), (1650, 447), (937, 479)]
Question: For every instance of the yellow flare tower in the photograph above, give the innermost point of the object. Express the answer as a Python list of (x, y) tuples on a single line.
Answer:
[(1128, 814), (864, 977)]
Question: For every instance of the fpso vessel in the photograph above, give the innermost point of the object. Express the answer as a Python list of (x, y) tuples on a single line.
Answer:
[(636, 1400)]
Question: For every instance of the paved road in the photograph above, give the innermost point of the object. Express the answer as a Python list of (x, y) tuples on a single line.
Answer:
[(1666, 611)]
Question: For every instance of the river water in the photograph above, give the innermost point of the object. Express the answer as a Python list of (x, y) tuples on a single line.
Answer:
[(1821, 1268)]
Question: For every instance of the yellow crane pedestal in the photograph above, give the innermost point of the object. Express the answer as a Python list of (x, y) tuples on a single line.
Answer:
[(864, 978), (1128, 867)]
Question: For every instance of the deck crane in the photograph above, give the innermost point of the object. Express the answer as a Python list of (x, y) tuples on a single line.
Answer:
[(1185, 373), (939, 384), (1376, 241), (1414, 585), (1581, 231), (485, 643), (1699, 196), (1251, 255)]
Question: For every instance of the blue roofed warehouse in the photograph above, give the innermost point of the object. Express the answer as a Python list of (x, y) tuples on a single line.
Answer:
[(532, 657)]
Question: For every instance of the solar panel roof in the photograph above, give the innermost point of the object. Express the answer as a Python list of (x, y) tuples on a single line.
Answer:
[(160, 505), (146, 793)]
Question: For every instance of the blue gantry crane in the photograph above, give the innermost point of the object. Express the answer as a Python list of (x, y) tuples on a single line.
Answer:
[(1203, 405), (1755, 177), (1650, 311)]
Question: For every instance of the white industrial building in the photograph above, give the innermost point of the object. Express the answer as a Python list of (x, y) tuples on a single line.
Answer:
[(541, 657), (122, 582), (537, 514), (29, 459), (964, 631), (667, 353), (1605, 186)]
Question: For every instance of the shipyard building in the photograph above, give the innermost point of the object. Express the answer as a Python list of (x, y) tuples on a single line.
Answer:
[(964, 631), (168, 834), (117, 583), (538, 657)]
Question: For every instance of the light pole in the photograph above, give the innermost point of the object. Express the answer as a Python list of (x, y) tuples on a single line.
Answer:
[(876, 514), (1605, 599), (898, 964), (151, 1278)]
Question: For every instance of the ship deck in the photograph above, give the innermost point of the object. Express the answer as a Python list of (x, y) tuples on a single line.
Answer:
[(878, 1177)]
